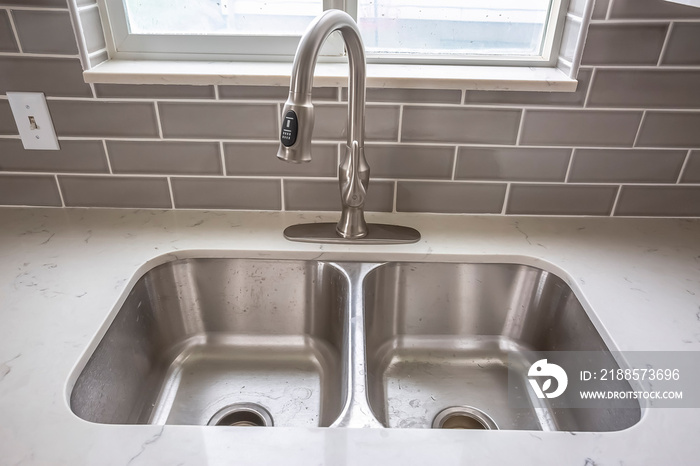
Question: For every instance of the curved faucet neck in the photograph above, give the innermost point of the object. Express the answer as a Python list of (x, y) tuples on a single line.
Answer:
[(307, 56)]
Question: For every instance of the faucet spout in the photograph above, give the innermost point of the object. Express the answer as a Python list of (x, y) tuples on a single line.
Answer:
[(298, 115)]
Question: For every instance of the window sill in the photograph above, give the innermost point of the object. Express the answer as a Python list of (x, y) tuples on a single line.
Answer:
[(333, 75)]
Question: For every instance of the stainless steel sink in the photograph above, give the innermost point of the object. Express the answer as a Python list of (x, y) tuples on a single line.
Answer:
[(197, 336), (440, 336), (251, 342)]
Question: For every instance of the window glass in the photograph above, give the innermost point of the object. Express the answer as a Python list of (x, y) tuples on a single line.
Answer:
[(221, 17), (454, 27)]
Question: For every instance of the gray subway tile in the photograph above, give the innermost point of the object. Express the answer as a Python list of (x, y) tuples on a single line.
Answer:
[(45, 31), (460, 125), (691, 174), (104, 119), (218, 120), (406, 161), (330, 122), (154, 91), (651, 9), (7, 37), (112, 191), (165, 157), (534, 98), (659, 201), (436, 96), (221, 193), (277, 93), (73, 157), (7, 121), (92, 29), (624, 44), (646, 88), (39, 3), (29, 190), (626, 166), (670, 129), (325, 195), (600, 9), (560, 200), (580, 128), (62, 77), (682, 47), (450, 197), (512, 164), (261, 160)]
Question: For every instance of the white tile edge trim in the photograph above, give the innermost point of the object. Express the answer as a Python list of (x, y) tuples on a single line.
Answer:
[(331, 75)]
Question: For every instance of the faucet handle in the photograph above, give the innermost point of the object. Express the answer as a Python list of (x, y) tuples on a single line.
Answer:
[(354, 176)]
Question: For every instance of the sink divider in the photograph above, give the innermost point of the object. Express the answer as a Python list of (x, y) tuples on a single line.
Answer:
[(357, 411)]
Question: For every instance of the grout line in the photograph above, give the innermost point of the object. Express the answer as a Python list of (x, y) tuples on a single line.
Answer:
[(216, 92), (160, 126), (639, 129), (590, 86), (520, 127), (88, 7), (400, 122), (335, 179), (170, 190), (617, 198), (609, 12), (60, 193), (371, 143), (223, 157), (283, 205), (454, 163), (109, 163), (97, 52), (214, 102), (571, 162), (33, 8), (683, 167), (39, 55), (14, 30), (505, 199), (665, 44), (396, 191)]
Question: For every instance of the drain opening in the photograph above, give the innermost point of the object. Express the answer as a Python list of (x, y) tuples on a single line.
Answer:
[(242, 415), (463, 417)]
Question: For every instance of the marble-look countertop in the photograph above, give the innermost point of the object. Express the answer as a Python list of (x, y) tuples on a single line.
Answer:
[(62, 272)]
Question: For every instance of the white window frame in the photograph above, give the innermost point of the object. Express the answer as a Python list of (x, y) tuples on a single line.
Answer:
[(122, 44)]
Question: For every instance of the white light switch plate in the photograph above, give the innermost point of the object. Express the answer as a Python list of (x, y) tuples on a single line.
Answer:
[(33, 120)]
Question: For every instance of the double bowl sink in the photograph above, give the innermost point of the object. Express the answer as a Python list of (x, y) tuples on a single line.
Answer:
[(293, 343)]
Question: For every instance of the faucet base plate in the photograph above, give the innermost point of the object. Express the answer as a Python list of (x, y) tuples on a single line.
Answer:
[(326, 233)]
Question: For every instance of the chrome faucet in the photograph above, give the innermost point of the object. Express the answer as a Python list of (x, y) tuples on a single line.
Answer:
[(297, 128)]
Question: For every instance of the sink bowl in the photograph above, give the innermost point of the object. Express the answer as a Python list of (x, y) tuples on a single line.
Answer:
[(197, 337), (251, 342), (440, 335)]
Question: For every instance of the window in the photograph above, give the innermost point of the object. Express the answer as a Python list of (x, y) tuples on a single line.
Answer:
[(509, 32)]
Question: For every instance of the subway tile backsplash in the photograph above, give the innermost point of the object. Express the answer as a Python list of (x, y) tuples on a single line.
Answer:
[(626, 143)]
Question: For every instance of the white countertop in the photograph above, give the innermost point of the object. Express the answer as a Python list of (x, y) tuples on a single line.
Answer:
[(63, 270)]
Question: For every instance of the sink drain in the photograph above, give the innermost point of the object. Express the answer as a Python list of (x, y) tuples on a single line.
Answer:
[(242, 415), (463, 417)]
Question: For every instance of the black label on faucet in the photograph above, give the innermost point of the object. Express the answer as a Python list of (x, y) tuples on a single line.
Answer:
[(289, 129)]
